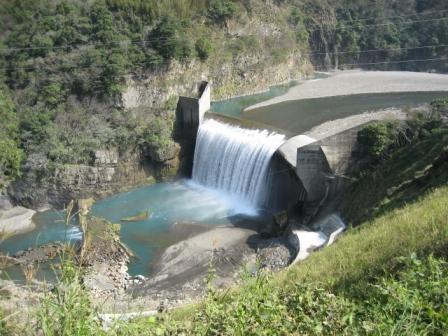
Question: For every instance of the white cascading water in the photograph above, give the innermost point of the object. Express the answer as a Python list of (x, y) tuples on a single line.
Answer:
[(234, 160)]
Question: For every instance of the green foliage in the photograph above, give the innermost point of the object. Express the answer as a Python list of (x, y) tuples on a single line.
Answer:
[(11, 155), (298, 20), (414, 302), (53, 94), (164, 38), (407, 173), (204, 48), (67, 310), (351, 28), (375, 138), (439, 105), (10, 158), (222, 10)]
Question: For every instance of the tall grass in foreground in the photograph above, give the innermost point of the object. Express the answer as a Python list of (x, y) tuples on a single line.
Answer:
[(67, 310), (413, 301)]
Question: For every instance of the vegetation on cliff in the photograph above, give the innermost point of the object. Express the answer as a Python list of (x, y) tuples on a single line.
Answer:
[(11, 154), (408, 160), (66, 78)]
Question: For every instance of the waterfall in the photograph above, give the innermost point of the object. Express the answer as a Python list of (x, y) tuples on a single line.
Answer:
[(234, 160)]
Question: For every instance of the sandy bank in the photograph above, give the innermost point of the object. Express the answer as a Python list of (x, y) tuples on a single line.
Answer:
[(333, 127), (362, 82)]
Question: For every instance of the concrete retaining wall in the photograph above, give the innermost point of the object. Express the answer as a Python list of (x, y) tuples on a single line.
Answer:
[(324, 166), (190, 111)]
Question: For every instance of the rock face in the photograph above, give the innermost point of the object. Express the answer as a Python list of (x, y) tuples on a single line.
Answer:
[(42, 184), (109, 171), (277, 226), (16, 220), (5, 203), (227, 79)]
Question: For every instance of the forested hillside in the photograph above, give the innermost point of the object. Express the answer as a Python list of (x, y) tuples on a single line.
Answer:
[(65, 64)]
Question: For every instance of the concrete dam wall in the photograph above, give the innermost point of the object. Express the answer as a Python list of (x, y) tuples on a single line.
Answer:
[(259, 166)]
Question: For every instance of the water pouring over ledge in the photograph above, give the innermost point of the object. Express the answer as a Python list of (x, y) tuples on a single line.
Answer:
[(234, 162)]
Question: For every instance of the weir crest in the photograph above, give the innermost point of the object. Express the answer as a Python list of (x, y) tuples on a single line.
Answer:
[(234, 161)]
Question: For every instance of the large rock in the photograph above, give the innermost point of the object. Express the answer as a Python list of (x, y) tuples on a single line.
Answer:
[(164, 153), (275, 254), (277, 226), (105, 157), (16, 220), (5, 203), (43, 185)]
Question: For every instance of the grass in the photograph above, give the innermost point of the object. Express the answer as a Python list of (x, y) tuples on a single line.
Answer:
[(67, 310)]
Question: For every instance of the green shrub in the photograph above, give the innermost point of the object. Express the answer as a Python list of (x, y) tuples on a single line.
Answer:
[(204, 48), (11, 155), (375, 138), (67, 310), (163, 38), (222, 10), (439, 105), (10, 158), (53, 94), (186, 50)]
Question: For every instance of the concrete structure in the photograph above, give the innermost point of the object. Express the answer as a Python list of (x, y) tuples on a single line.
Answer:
[(323, 166), (304, 170), (190, 111), (289, 149)]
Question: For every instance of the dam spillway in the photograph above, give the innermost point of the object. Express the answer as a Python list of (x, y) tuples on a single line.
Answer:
[(234, 161)]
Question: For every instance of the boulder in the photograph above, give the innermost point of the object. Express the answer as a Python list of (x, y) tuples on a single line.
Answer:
[(105, 157), (164, 153), (275, 254), (276, 226), (16, 220), (5, 203)]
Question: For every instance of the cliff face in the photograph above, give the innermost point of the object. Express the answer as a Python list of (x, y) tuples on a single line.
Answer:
[(47, 184), (244, 75), (257, 48), (43, 185)]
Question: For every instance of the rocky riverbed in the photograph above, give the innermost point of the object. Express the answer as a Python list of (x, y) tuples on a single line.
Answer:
[(181, 272)]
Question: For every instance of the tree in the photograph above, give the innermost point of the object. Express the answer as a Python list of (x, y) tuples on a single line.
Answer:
[(222, 10), (163, 38), (204, 48), (374, 139), (10, 154)]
